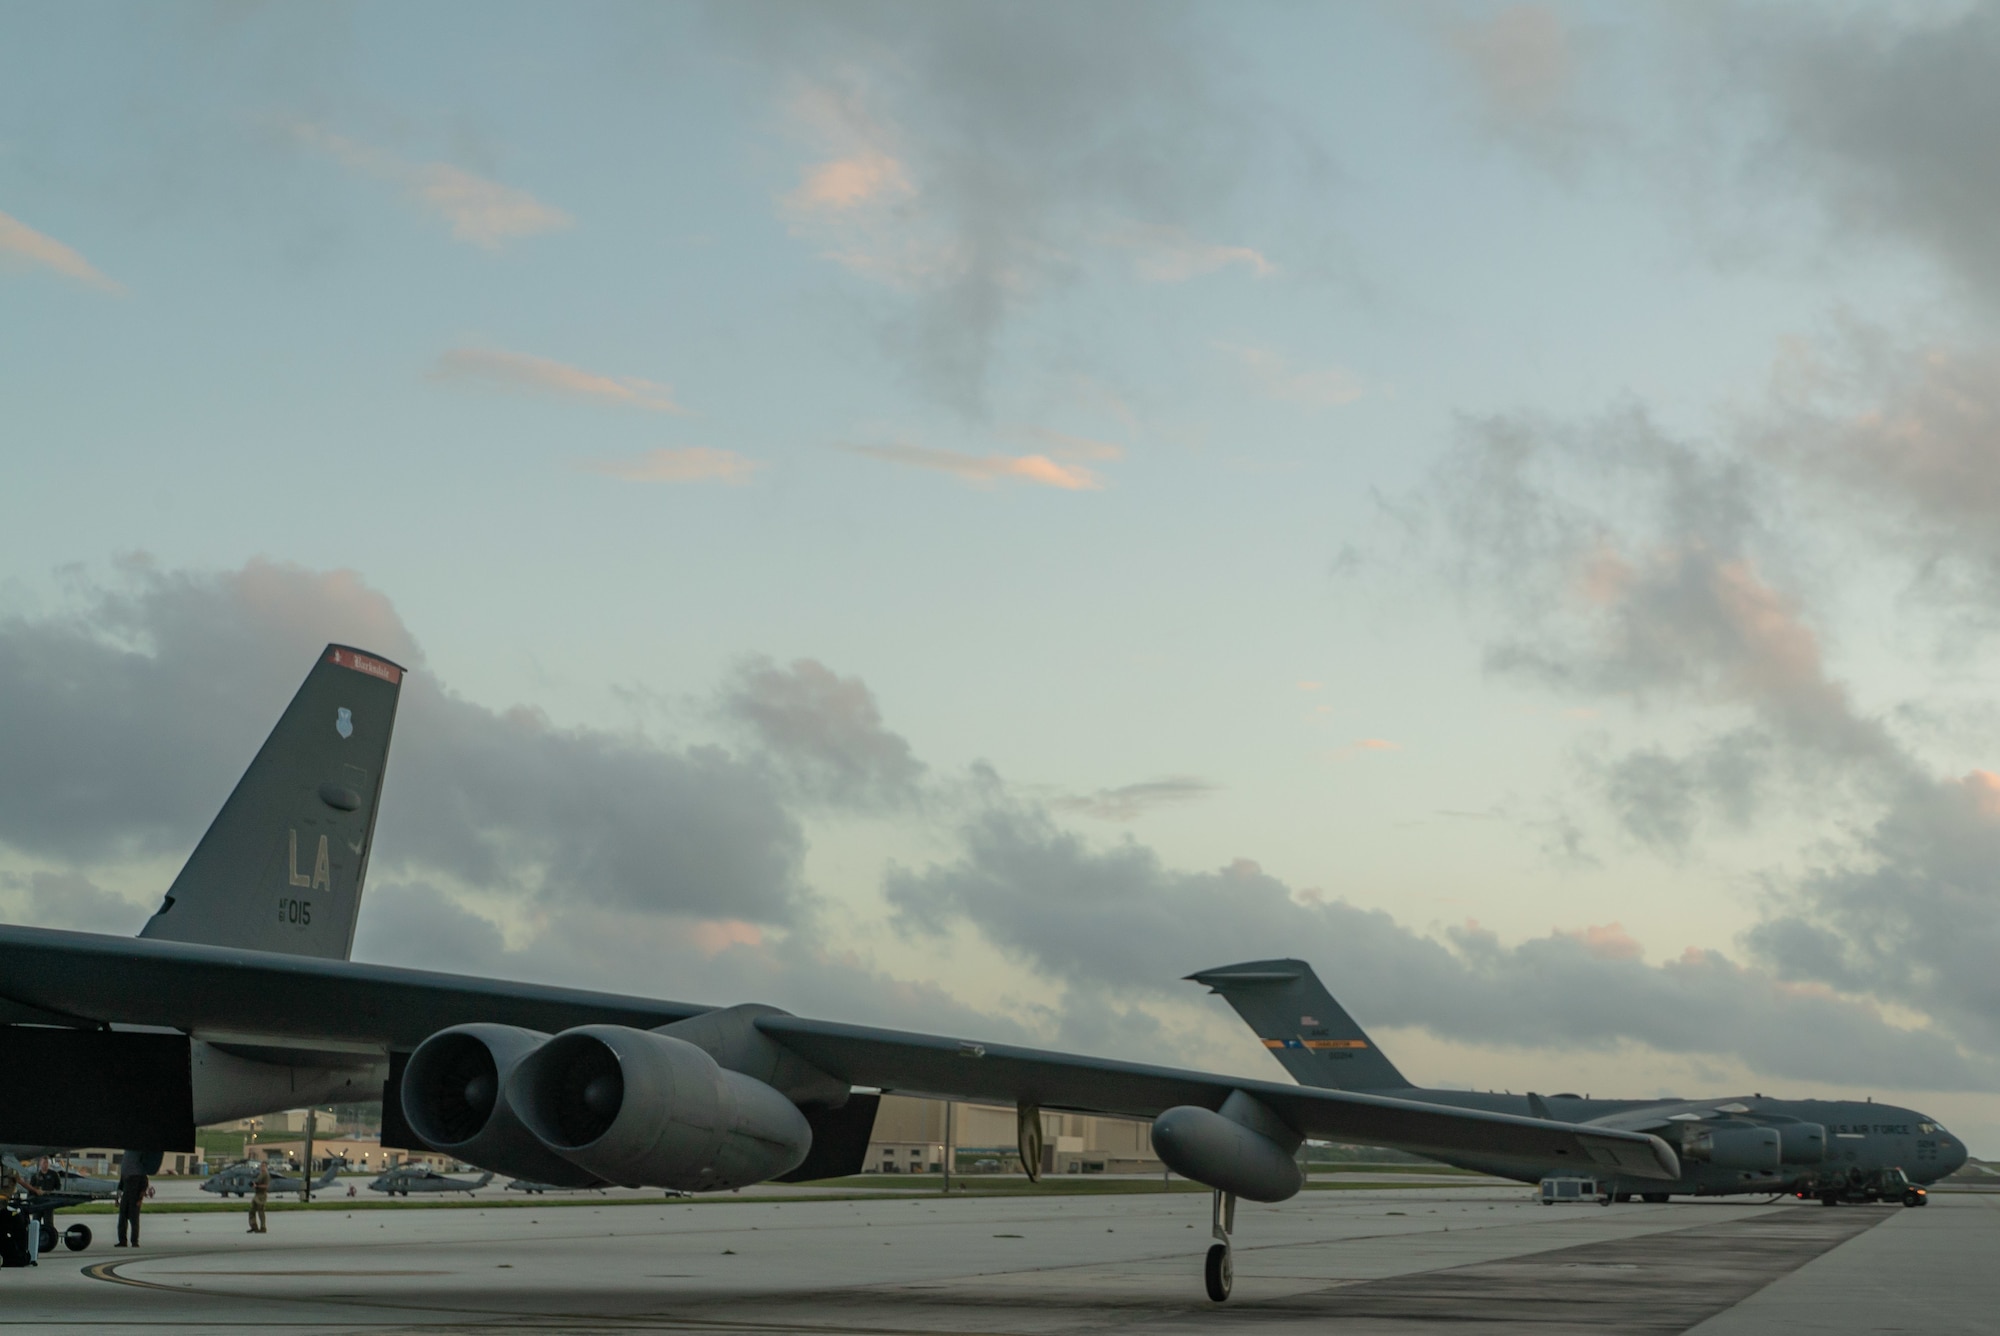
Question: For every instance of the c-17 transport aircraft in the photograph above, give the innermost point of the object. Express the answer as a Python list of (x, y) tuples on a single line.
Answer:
[(238, 999), (1836, 1150)]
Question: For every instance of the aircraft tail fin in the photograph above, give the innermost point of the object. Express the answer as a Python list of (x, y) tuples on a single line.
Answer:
[(282, 865), (1308, 1032), (326, 1180), (484, 1179)]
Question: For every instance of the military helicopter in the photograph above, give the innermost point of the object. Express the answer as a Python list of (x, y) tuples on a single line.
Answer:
[(407, 1178), (240, 1179)]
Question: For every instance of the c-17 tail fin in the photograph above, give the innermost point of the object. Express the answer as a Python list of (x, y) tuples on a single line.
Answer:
[(282, 865), (1305, 1029)]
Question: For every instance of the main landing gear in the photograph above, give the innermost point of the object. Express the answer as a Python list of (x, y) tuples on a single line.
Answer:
[(1220, 1271)]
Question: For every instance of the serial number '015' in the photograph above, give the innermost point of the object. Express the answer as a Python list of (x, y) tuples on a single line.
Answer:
[(298, 913)]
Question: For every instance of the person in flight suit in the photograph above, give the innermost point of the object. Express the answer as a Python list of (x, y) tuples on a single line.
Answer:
[(132, 1186), (260, 1198)]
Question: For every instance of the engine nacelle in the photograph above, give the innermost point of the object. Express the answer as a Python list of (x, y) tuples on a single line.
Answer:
[(1802, 1143), (1735, 1148), (648, 1110), (455, 1098), (1245, 1149)]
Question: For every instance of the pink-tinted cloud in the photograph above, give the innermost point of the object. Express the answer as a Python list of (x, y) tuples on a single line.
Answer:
[(18, 239), (523, 371), (714, 936), (850, 182), (1606, 941), (694, 463), (1169, 255), (482, 213), (985, 470), (1062, 445), (1520, 56)]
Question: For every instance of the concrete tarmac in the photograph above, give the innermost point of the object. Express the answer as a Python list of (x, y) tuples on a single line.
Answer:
[(1459, 1259)]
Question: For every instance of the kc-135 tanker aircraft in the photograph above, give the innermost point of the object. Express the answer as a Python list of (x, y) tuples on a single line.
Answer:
[(238, 998)]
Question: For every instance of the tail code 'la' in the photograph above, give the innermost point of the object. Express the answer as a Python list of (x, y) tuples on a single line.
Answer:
[(1302, 1026), (282, 865)]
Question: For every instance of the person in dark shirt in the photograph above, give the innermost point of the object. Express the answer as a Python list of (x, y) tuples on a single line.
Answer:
[(132, 1187)]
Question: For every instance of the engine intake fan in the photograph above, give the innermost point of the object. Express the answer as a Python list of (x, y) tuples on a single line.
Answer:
[(455, 1098), (645, 1109)]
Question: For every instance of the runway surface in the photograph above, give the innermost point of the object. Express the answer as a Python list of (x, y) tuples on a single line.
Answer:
[(1454, 1259)]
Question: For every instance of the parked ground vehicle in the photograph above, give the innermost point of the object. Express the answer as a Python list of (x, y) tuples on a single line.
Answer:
[(1562, 1189), (1891, 1185)]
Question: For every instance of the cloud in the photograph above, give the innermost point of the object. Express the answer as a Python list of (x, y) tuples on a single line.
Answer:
[(973, 157), (481, 212), (825, 730), (694, 463), (1904, 437), (523, 371), (1909, 910), (1129, 802), (1062, 445), (1116, 922), (1169, 255), (1879, 116), (130, 715), (985, 470), (845, 184), (1636, 566), (1520, 56), (53, 899), (20, 240), (1276, 377)]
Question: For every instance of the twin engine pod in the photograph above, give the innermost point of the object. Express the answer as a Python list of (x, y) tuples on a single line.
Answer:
[(597, 1104), (648, 1110), (1244, 1148)]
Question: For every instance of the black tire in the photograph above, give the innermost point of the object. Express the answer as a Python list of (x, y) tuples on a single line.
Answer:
[(1655, 1197), (1911, 1198), (76, 1238), (1828, 1199), (1624, 1197), (49, 1236), (1219, 1273)]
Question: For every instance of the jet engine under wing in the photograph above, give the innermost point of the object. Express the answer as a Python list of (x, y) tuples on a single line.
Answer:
[(1003, 1074)]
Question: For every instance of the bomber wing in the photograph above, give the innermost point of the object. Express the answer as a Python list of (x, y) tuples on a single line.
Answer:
[(94, 980), (1003, 1074)]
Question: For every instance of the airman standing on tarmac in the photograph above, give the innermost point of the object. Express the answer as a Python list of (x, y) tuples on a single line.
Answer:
[(260, 1198)]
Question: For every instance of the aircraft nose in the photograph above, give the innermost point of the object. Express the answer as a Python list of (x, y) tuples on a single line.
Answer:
[(1954, 1157)]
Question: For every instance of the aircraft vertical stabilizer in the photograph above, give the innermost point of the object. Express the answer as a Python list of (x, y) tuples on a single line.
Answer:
[(282, 865), (1305, 1029)]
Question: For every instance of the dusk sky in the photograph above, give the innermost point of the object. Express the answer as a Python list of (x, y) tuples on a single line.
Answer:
[(955, 516)]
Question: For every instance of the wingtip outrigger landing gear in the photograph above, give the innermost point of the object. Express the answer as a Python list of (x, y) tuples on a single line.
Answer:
[(1220, 1272)]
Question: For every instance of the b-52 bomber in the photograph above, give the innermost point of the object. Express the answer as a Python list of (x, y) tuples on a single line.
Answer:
[(240, 1180), (1835, 1150), (421, 1178), (239, 999)]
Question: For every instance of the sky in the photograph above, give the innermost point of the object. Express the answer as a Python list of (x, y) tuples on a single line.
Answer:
[(958, 516)]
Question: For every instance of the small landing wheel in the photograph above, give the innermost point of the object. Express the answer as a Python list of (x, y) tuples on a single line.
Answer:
[(1220, 1273), (76, 1238), (49, 1236)]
